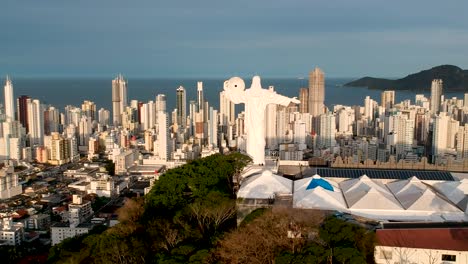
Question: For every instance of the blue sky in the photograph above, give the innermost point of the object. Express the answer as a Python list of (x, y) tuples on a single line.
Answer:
[(215, 38)]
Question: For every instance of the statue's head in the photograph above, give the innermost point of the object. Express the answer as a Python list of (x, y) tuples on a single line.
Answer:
[(256, 83), (235, 83)]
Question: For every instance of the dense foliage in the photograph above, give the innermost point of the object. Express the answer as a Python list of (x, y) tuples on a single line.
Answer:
[(179, 221), (296, 236), (189, 216)]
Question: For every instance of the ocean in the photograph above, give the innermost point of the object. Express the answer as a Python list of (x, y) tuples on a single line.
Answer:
[(61, 92)]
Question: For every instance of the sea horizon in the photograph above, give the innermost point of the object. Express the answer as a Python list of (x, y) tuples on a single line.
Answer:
[(62, 91)]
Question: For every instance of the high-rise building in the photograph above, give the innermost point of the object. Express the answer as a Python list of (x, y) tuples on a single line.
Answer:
[(213, 127), (388, 99), (439, 136), (72, 115), (148, 116), (22, 110), (9, 100), (162, 143), (271, 139), (369, 108), (227, 110), (465, 100), (316, 92), (51, 120), (200, 99), (436, 92), (36, 122), (58, 148), (421, 126), (181, 105), (462, 142), (327, 130), (160, 103), (403, 135), (119, 99), (104, 117), (304, 100), (88, 108)]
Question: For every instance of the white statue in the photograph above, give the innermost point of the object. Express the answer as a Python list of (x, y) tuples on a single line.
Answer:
[(256, 100)]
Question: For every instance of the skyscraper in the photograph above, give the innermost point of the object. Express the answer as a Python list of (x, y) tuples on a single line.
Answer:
[(436, 92), (227, 110), (181, 105), (439, 136), (200, 99), (162, 144), (36, 122), (9, 101), (304, 98), (388, 99), (22, 111), (119, 99), (327, 130), (160, 102), (88, 108), (316, 92)]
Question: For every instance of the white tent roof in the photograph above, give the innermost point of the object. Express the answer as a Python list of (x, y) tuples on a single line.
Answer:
[(318, 197), (407, 191), (455, 191), (264, 185), (364, 193), (416, 195)]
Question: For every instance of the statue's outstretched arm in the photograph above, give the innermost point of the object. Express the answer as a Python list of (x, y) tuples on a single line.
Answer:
[(275, 98)]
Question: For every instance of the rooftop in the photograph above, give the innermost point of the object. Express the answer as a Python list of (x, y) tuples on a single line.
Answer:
[(427, 238)]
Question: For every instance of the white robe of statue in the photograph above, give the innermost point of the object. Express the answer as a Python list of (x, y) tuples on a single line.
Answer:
[(256, 100)]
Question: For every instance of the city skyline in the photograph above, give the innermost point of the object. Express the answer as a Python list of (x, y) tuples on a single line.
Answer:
[(211, 39)]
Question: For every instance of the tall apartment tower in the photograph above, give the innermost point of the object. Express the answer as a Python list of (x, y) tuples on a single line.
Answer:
[(181, 105), (35, 122), (22, 111), (304, 99), (316, 92), (9, 101), (436, 92), (227, 110), (88, 108), (160, 103), (200, 99), (119, 99), (440, 135), (388, 99), (162, 146)]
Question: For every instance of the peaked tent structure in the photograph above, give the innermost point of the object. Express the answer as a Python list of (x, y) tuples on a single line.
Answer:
[(264, 185), (418, 196), (366, 194), (455, 191), (318, 193)]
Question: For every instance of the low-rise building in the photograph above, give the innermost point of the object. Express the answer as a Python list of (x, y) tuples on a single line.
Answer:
[(39, 221), (80, 211), (422, 245), (59, 232), (9, 184), (11, 234)]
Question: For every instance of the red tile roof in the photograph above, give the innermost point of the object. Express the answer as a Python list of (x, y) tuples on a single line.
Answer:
[(430, 238)]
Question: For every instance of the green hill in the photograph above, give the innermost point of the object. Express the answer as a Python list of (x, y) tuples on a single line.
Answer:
[(454, 78)]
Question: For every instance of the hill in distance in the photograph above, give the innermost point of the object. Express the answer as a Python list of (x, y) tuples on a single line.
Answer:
[(454, 79)]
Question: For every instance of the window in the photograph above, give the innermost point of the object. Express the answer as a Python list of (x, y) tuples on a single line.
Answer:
[(449, 257), (385, 254)]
